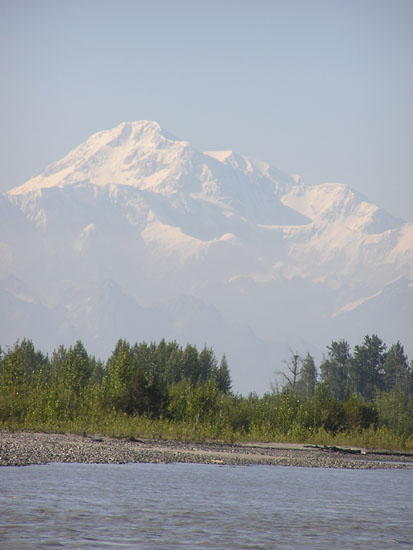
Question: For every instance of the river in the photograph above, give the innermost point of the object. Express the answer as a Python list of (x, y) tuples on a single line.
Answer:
[(171, 506)]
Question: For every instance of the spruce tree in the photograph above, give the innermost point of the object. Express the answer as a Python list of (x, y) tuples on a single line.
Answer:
[(222, 376)]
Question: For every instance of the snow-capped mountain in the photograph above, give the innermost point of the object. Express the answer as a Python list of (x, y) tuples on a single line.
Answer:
[(137, 206)]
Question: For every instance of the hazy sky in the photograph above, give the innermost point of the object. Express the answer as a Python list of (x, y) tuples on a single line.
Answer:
[(319, 88)]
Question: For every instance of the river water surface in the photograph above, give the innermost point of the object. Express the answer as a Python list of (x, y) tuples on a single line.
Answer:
[(170, 506)]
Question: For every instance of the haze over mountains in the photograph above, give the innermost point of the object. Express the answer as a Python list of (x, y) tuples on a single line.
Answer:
[(136, 234)]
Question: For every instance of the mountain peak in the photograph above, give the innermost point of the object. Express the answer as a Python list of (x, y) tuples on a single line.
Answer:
[(137, 130), (128, 154)]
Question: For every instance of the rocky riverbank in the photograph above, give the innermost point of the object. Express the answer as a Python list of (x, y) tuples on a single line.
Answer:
[(24, 448)]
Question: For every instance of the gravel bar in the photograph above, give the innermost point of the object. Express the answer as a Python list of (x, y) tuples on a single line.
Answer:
[(25, 448)]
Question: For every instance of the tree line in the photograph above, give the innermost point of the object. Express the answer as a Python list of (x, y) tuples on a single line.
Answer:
[(139, 379), (370, 368), (367, 388)]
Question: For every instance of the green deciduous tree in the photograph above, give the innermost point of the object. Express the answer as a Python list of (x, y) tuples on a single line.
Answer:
[(366, 374), (134, 382), (358, 413), (76, 367), (396, 369), (20, 363), (334, 370), (324, 410)]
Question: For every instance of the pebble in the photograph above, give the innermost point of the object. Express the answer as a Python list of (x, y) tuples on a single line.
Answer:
[(25, 448)]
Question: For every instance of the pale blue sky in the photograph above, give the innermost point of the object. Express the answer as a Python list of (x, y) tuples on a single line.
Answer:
[(319, 88)]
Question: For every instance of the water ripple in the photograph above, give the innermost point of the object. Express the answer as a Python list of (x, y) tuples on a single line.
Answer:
[(170, 506)]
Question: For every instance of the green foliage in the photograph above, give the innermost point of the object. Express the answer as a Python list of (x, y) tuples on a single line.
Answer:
[(307, 381), (359, 413), (190, 364), (366, 373), (335, 369), (20, 364), (396, 369), (133, 382), (194, 404), (395, 411), (222, 375), (324, 410), (76, 368), (207, 364), (164, 390)]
